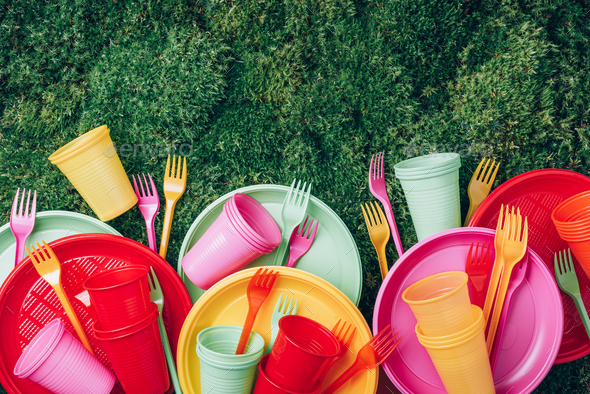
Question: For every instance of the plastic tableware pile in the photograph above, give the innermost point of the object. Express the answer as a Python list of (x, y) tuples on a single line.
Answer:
[(452, 331)]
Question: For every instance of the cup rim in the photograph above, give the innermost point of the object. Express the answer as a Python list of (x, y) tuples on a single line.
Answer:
[(267, 216), (142, 268), (404, 163), (446, 339), (110, 335), (319, 326), (462, 341), (566, 202), (246, 237), (75, 146), (446, 295), (428, 175), (56, 335), (232, 328)]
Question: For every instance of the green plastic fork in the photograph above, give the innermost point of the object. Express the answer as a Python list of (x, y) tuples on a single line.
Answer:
[(565, 273), (157, 297), (281, 309)]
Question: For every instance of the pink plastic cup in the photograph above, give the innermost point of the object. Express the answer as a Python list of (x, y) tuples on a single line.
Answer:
[(266, 386), (137, 356), (256, 220), (220, 252), (59, 363), (303, 350), (243, 231)]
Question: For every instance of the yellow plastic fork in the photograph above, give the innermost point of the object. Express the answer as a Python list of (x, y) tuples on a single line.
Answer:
[(513, 250), (480, 186), (379, 233), (501, 231), (174, 185), (49, 268)]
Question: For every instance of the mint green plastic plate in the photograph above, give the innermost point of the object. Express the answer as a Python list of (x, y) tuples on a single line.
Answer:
[(49, 226), (333, 255)]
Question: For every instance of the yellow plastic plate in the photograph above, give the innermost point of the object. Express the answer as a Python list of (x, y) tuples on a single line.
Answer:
[(226, 303)]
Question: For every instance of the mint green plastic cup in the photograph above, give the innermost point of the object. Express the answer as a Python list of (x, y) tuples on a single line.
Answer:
[(219, 343), (222, 371), (432, 193), (227, 378)]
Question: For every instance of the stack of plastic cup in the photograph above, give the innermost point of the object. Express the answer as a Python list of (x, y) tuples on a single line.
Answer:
[(222, 371), (121, 296), (302, 352), (92, 165), (128, 329), (431, 187), (241, 233), (452, 331), (572, 220), (61, 364)]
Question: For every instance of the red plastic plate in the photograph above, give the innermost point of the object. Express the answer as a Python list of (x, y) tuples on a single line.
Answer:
[(28, 303), (537, 193)]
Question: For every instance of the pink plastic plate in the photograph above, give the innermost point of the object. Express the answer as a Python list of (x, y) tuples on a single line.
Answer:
[(534, 328)]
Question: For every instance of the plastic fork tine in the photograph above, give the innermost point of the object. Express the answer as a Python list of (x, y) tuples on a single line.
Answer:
[(381, 167), (488, 173), (301, 195), (287, 308), (307, 195), (315, 229), (482, 173), (376, 216), (154, 191), (295, 193), (478, 169), (147, 191)]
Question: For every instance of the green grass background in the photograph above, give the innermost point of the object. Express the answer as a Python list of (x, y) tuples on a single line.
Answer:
[(265, 91)]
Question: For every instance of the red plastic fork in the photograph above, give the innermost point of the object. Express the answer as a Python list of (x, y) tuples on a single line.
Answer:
[(299, 244), (344, 333), (149, 205), (378, 189), (370, 356), (22, 224), (477, 267), (258, 290)]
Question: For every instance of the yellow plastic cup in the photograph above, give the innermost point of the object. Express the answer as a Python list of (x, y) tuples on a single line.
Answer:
[(463, 366), (441, 303), (478, 321), (92, 165)]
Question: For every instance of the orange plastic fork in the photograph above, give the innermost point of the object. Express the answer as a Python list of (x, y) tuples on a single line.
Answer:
[(370, 356), (258, 290), (344, 334)]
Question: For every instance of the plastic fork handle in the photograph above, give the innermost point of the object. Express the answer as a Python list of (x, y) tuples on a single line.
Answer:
[(282, 249), (472, 208), (502, 327), (345, 377), (273, 336), (393, 227), (169, 358), (382, 261), (170, 204), (20, 250), (498, 306), (493, 284), (151, 233), (583, 313), (65, 302), (252, 312)]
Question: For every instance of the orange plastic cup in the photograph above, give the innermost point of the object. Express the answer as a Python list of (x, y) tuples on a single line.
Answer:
[(573, 211), (441, 303), (463, 366), (478, 322), (92, 165)]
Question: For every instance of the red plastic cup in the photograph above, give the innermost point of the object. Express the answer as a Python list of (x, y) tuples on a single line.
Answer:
[(120, 296), (137, 356), (255, 220), (59, 363), (266, 386), (303, 350)]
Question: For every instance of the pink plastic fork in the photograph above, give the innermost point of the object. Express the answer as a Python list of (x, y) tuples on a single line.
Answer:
[(149, 204), (299, 244), (22, 225), (377, 187)]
